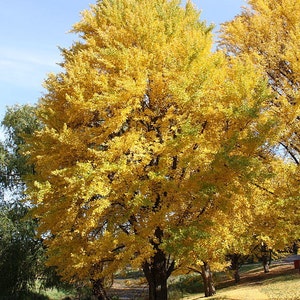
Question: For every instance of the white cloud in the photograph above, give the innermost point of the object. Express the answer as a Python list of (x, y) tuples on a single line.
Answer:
[(26, 68), (28, 56)]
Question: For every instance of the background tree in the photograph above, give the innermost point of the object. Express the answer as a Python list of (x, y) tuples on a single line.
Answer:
[(267, 32), (20, 252), (146, 133), (22, 255), (269, 227), (252, 221), (3, 163), (18, 122)]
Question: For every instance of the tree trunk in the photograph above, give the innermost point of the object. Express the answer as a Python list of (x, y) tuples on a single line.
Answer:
[(157, 271), (235, 266), (98, 290), (296, 247), (237, 277), (156, 275), (209, 288), (266, 265), (266, 259)]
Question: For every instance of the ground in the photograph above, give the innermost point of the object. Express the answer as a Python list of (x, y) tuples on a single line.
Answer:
[(129, 288), (282, 282)]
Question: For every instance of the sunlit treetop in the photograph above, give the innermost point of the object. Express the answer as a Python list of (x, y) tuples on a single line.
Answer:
[(268, 33)]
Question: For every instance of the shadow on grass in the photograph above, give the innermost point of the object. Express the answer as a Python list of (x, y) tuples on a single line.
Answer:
[(293, 275), (188, 284), (25, 296)]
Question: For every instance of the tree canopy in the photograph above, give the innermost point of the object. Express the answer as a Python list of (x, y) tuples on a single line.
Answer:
[(267, 33), (149, 140)]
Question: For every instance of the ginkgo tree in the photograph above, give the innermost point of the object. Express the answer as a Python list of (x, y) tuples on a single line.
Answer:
[(146, 132), (270, 220), (267, 32), (250, 215)]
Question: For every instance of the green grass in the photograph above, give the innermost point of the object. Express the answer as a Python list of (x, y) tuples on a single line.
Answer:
[(186, 284), (272, 287), (64, 292), (54, 294), (279, 284)]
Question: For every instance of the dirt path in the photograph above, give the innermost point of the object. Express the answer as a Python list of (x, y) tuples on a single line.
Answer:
[(126, 289)]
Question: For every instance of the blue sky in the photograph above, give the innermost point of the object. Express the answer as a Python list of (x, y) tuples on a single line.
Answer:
[(32, 30)]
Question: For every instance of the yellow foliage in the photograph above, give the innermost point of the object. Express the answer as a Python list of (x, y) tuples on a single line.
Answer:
[(145, 128), (267, 33)]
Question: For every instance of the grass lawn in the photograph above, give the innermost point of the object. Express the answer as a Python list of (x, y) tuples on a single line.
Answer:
[(54, 294), (283, 282)]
